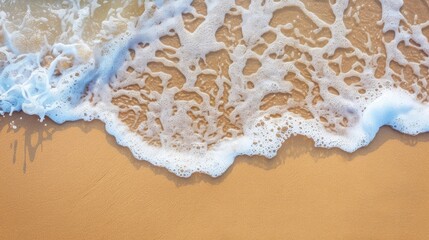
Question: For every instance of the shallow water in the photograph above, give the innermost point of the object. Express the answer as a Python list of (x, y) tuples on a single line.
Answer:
[(189, 85)]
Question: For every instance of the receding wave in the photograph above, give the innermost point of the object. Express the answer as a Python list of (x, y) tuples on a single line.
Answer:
[(189, 85)]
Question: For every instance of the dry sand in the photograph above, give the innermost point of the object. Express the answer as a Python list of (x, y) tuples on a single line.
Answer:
[(73, 182)]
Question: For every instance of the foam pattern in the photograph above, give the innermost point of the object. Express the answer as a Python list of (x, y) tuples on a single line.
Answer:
[(189, 85)]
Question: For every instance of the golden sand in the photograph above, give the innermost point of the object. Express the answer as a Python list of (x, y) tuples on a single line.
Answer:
[(73, 182)]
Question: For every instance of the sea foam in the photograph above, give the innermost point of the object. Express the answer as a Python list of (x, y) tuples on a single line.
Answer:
[(189, 85)]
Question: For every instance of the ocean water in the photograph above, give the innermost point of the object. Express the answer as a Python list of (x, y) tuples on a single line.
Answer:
[(189, 85)]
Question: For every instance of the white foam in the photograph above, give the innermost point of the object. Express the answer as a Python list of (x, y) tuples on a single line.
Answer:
[(78, 74)]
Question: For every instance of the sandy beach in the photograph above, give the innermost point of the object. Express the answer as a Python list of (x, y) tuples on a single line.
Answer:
[(73, 182)]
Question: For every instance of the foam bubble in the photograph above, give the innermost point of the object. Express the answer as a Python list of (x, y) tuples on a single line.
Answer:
[(189, 85)]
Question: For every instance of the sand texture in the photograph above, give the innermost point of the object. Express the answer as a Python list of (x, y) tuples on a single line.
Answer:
[(73, 182)]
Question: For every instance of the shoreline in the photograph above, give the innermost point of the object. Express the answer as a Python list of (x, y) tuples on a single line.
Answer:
[(306, 145)]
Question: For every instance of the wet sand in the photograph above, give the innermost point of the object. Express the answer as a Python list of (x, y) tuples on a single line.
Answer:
[(73, 182)]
